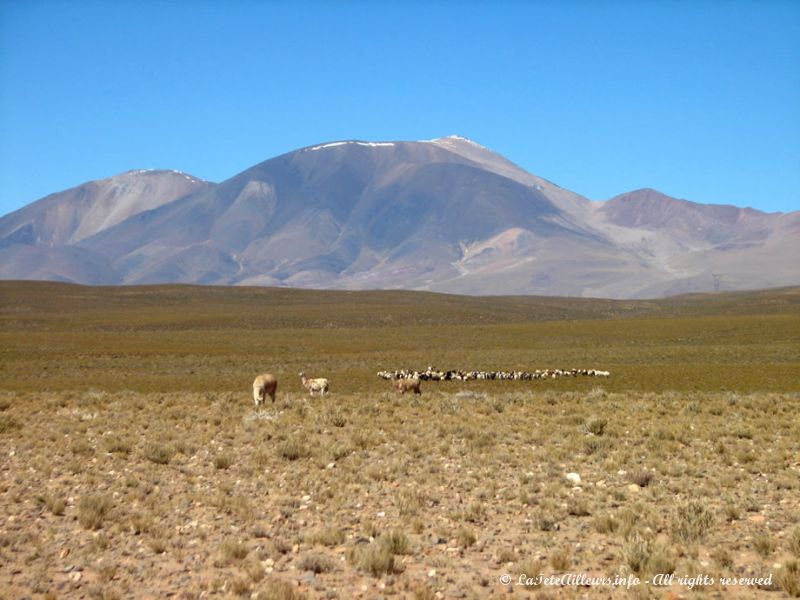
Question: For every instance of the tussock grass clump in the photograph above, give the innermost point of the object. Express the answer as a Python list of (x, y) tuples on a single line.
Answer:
[(593, 445), (8, 424), (157, 544), (395, 542), (529, 568), (722, 557), (544, 521), (376, 559), (93, 510), (55, 504), (473, 513), (691, 522), (641, 477), (293, 449), (794, 542), (331, 536), (276, 589), (363, 440), (337, 418), (578, 507), (605, 523), (316, 564), (466, 537), (411, 502), (231, 551), (561, 560), (117, 445), (596, 425), (254, 571), (789, 578), (424, 592), (661, 560), (241, 587), (159, 454), (636, 552), (140, 523), (223, 461), (763, 545)]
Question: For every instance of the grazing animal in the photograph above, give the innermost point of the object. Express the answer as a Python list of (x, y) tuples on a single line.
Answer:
[(407, 385), (263, 386), (314, 385)]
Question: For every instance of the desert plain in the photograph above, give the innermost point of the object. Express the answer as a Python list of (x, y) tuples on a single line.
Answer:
[(134, 463)]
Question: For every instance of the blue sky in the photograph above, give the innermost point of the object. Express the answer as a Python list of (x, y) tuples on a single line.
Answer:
[(700, 99)]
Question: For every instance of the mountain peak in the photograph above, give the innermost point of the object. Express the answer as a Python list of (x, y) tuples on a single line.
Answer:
[(173, 172), (453, 140)]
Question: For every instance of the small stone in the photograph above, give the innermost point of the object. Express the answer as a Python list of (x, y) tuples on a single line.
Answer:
[(574, 477)]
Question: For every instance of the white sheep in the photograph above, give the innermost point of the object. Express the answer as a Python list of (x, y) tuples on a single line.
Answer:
[(264, 385), (314, 385)]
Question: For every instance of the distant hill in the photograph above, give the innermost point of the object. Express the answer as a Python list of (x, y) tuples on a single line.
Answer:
[(442, 215)]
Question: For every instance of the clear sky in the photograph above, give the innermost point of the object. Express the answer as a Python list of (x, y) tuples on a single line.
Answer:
[(698, 99)]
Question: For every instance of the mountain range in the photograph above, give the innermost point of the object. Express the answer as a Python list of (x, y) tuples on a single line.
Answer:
[(445, 215)]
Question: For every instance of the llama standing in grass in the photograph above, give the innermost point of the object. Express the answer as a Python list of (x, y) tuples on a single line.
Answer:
[(407, 385), (314, 385), (263, 386)]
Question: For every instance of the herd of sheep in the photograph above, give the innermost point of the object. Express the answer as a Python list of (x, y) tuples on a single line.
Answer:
[(431, 374), (406, 380)]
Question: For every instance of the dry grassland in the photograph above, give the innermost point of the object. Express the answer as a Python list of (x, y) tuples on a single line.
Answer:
[(134, 464)]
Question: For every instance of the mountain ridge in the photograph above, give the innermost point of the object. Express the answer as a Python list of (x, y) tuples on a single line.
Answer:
[(445, 215)]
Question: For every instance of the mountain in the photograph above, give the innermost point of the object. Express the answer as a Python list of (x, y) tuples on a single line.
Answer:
[(445, 215), (40, 241)]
